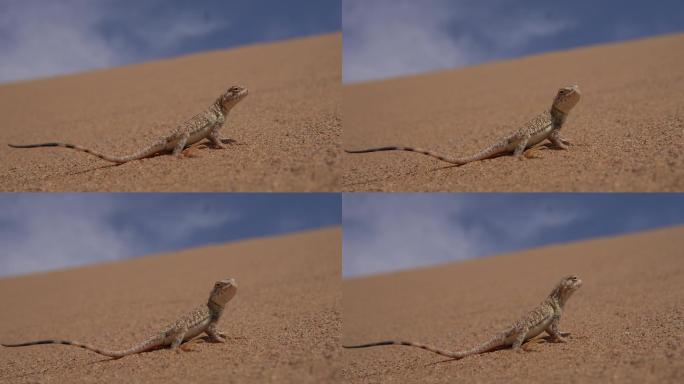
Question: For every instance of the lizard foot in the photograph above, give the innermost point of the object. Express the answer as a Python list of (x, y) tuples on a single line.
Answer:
[(187, 347), (190, 152), (532, 153)]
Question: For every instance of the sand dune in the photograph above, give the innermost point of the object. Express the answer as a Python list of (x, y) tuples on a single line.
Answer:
[(627, 321), (283, 324), (628, 129), (287, 131)]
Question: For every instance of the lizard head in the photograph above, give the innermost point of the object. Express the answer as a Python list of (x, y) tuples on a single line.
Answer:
[(567, 98), (566, 287), (223, 291), (232, 96)]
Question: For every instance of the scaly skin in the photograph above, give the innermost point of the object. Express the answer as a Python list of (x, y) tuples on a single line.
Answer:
[(205, 125), (201, 319), (544, 317), (544, 126)]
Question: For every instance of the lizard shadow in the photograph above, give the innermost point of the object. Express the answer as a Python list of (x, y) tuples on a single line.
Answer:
[(456, 359), (114, 165), (542, 147), (545, 146), (189, 149), (540, 340), (185, 347)]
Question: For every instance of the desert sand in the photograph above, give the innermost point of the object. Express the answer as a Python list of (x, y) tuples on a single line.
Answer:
[(628, 129), (286, 132), (626, 322), (283, 325)]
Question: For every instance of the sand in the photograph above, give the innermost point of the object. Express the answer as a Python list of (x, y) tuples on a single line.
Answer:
[(626, 322), (283, 325), (628, 129), (287, 131)]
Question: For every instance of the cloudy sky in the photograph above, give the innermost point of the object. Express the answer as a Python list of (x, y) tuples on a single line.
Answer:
[(387, 38), (388, 232), (40, 232), (41, 38)]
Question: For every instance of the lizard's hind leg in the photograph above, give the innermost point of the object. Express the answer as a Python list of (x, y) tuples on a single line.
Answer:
[(180, 145), (520, 148), (519, 340)]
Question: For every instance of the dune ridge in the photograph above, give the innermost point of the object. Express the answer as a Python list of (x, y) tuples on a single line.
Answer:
[(283, 325), (286, 133), (628, 129), (626, 322)]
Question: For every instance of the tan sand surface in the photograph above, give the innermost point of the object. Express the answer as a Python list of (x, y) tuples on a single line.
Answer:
[(287, 130), (628, 129), (626, 322), (283, 325)]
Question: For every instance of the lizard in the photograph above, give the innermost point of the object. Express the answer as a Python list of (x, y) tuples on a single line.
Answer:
[(202, 319), (205, 125), (544, 126), (545, 317)]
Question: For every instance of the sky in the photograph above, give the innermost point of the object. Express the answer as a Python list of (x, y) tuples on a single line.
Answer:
[(42, 232), (388, 38), (40, 38), (390, 232)]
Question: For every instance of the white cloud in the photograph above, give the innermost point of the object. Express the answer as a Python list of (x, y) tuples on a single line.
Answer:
[(45, 232), (387, 38), (399, 38), (391, 232), (167, 32), (47, 38), (41, 234), (403, 231), (179, 223)]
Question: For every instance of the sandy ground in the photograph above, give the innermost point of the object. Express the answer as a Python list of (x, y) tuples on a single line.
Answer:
[(287, 130), (626, 322), (283, 324), (628, 129)]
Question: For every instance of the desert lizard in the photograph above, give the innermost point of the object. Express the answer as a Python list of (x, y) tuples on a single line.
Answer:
[(202, 319), (205, 125), (544, 317), (546, 125)]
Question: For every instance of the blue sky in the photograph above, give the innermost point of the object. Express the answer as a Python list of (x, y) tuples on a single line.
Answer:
[(41, 38), (40, 232), (387, 38), (389, 232)]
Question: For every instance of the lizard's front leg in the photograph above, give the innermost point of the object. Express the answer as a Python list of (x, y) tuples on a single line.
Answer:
[(214, 334), (556, 139), (215, 139), (554, 331)]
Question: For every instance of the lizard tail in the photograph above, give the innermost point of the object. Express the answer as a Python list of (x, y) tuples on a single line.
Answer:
[(454, 355), (113, 159), (412, 149), (105, 352)]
